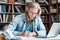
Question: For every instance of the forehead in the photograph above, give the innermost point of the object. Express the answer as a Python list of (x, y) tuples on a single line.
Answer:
[(33, 9)]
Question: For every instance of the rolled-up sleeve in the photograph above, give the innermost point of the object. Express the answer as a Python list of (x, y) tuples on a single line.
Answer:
[(41, 31)]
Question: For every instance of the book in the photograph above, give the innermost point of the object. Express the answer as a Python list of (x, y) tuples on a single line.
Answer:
[(46, 2), (6, 17), (44, 18), (0, 18), (28, 1), (0, 8), (54, 18), (3, 17), (44, 10), (20, 1), (3, 8), (53, 1), (43, 1), (53, 9), (16, 9), (4, 1), (9, 18), (21, 8), (58, 1), (11, 1)]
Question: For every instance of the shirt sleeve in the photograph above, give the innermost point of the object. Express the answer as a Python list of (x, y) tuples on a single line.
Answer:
[(12, 26), (41, 31)]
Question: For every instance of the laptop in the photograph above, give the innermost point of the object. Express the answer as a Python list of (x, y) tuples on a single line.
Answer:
[(54, 31)]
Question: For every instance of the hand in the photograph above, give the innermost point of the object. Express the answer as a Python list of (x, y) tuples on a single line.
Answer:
[(23, 33), (32, 34), (27, 33)]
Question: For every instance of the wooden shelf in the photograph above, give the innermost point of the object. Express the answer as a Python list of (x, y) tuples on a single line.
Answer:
[(8, 13), (45, 4), (44, 14), (46, 22), (53, 13), (54, 4), (11, 4)]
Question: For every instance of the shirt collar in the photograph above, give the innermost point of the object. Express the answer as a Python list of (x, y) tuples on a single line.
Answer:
[(25, 19)]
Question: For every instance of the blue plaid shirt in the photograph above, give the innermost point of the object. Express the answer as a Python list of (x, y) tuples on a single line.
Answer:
[(18, 24), (29, 26)]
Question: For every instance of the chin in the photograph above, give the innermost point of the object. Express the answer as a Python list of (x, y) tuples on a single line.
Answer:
[(32, 18)]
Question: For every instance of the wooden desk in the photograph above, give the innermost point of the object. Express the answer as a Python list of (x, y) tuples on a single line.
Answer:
[(33, 38), (1, 37)]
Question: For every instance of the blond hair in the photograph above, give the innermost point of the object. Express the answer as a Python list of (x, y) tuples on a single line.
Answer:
[(34, 5)]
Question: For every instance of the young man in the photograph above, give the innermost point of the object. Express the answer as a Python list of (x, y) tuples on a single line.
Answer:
[(29, 23)]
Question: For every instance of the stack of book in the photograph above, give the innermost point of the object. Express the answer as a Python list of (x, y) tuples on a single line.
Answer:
[(58, 1), (53, 1), (54, 18), (44, 18), (53, 10), (44, 10), (28, 1), (43, 1)]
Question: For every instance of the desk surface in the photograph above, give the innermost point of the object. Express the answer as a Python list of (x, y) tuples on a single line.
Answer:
[(34, 38)]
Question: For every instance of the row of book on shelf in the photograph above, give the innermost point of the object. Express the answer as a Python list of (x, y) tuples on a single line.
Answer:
[(52, 1), (3, 8), (54, 18), (13, 1), (17, 9), (6, 18)]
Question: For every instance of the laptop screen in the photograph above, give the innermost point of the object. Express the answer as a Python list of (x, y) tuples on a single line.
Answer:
[(54, 30)]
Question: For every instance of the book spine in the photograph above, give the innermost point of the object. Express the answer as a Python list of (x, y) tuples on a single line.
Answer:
[(0, 8), (0, 18), (3, 17), (7, 16)]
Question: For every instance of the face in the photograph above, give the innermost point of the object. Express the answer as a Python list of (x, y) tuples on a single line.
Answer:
[(32, 13)]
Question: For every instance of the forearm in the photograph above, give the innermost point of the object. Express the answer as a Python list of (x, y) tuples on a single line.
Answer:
[(20, 34)]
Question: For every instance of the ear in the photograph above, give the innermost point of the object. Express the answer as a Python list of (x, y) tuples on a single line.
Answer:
[(39, 12)]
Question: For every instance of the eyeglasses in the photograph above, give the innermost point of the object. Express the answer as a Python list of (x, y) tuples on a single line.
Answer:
[(33, 12)]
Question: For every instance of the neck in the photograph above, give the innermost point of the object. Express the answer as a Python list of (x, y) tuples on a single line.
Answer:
[(28, 19)]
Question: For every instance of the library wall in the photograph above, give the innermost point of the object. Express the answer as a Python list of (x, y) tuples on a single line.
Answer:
[(11, 8)]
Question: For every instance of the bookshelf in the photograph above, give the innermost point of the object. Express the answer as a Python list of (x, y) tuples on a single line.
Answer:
[(55, 14), (10, 10), (51, 13), (10, 13)]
